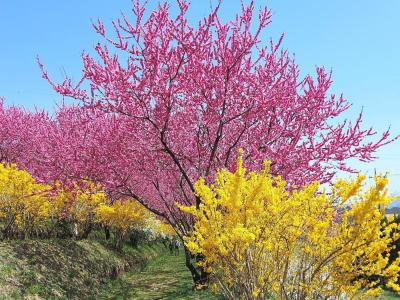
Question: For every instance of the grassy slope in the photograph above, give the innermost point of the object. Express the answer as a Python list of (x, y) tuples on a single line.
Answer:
[(63, 269)]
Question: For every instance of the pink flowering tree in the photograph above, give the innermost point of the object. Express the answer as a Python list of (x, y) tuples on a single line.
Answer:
[(17, 132), (165, 103)]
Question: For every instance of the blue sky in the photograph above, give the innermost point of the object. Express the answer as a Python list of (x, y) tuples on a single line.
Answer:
[(359, 40)]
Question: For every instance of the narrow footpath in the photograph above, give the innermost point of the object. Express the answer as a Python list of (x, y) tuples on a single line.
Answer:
[(165, 277)]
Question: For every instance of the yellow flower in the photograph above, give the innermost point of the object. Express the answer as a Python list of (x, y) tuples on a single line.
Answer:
[(263, 239), (22, 199)]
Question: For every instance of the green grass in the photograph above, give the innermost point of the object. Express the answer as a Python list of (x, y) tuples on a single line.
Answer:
[(389, 296), (63, 269), (165, 277)]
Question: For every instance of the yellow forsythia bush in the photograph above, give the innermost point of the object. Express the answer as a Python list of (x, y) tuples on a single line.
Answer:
[(164, 230), (78, 203), (27, 206), (123, 215), (24, 204), (157, 228), (261, 241), (126, 216)]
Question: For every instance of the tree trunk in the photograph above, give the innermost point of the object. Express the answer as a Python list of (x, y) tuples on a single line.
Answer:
[(7, 229), (119, 240), (107, 232), (86, 231), (75, 230), (198, 275), (134, 238)]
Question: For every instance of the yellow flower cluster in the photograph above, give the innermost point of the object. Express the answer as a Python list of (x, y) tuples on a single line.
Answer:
[(24, 203), (27, 206), (164, 229), (123, 215), (261, 240), (78, 203)]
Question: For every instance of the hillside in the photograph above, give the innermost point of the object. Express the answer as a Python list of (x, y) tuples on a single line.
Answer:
[(393, 210), (64, 269)]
